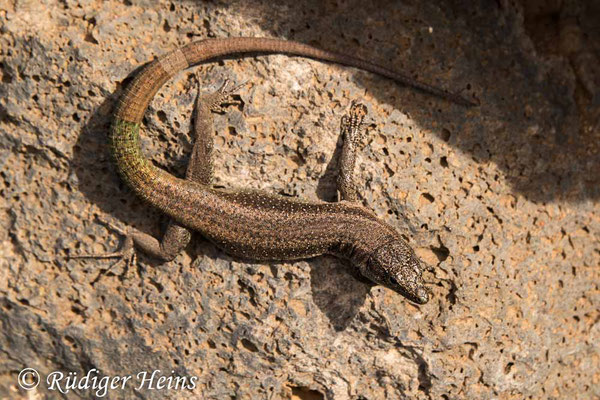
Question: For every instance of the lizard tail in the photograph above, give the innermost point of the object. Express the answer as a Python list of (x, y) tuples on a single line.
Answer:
[(141, 91)]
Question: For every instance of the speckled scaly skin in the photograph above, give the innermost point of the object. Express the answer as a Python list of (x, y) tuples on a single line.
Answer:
[(256, 225)]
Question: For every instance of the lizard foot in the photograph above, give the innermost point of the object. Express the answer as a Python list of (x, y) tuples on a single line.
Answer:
[(224, 96), (354, 123), (126, 256)]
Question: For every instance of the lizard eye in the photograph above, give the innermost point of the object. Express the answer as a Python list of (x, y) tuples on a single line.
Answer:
[(393, 281)]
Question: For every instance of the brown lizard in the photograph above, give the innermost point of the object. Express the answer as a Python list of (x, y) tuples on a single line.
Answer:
[(252, 224)]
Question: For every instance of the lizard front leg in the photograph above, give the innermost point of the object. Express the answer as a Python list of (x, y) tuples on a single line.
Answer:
[(352, 129)]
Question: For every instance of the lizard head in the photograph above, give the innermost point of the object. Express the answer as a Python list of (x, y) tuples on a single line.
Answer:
[(396, 266)]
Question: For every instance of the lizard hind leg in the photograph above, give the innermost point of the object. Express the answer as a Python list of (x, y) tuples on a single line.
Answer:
[(173, 241), (352, 129)]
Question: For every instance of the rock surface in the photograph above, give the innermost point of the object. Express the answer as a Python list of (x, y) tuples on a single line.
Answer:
[(500, 200)]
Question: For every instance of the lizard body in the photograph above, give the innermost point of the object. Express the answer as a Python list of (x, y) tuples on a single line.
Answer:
[(253, 224)]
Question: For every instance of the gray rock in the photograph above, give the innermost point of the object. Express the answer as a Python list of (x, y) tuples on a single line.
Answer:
[(500, 201)]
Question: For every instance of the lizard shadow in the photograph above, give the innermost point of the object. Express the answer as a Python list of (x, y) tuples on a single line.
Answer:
[(327, 184), (338, 290)]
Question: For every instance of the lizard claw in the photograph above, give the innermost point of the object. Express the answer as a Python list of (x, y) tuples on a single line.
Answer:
[(225, 96), (226, 91)]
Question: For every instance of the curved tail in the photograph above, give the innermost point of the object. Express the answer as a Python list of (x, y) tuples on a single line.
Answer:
[(141, 91)]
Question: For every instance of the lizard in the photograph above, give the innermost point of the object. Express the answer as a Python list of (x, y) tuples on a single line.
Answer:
[(252, 224)]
